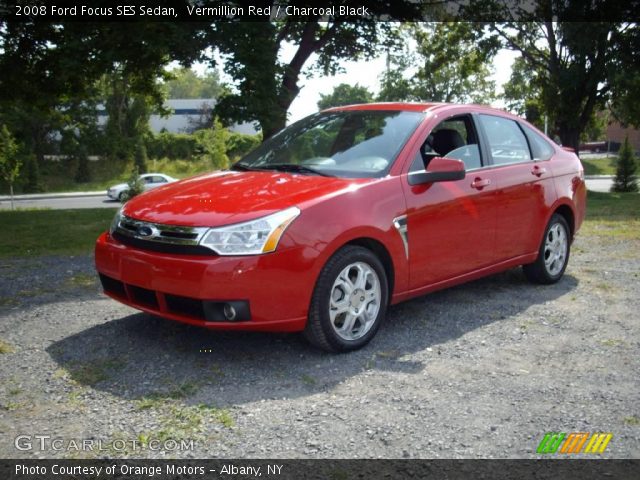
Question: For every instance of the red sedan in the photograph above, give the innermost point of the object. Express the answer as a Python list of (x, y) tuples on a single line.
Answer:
[(343, 213)]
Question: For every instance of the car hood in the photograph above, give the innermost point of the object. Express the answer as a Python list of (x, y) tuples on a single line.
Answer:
[(223, 198)]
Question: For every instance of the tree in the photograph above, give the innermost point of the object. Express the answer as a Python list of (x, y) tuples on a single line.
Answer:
[(264, 84), (573, 63), (345, 94), (453, 65), (9, 161), (523, 94), (54, 67), (83, 174), (140, 159), (186, 83), (625, 179)]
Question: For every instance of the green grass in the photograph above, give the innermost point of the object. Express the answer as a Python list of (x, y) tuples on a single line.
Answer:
[(614, 215), (613, 206), (599, 165), (51, 232)]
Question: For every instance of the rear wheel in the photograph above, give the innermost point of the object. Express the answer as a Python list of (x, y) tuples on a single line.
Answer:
[(553, 255), (349, 301)]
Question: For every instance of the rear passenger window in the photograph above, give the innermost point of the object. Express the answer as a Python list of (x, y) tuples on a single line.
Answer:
[(507, 143), (540, 148)]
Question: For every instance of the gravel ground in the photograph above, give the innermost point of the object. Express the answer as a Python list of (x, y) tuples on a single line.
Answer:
[(480, 370)]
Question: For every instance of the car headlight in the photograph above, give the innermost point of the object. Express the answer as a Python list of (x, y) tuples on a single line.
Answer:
[(250, 238), (116, 221)]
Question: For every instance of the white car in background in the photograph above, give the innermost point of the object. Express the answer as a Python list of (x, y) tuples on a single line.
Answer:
[(150, 180)]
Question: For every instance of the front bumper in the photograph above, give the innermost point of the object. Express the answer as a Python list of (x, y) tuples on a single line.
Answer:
[(276, 287)]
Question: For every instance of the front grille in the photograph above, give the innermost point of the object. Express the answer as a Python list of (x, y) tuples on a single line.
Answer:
[(143, 296), (113, 286), (163, 247), (185, 306), (193, 308), (161, 238)]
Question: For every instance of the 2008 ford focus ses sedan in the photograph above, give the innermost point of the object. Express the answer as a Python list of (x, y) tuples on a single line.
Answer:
[(343, 213)]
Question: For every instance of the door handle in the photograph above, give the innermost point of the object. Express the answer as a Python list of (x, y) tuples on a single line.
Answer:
[(538, 171), (479, 183)]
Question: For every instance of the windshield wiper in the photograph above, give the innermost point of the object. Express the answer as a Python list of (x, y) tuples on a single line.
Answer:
[(242, 167), (295, 168)]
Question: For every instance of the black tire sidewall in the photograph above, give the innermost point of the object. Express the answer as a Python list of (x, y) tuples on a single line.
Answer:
[(325, 285)]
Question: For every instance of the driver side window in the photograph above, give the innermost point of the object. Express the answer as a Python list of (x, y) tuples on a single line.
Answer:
[(452, 138)]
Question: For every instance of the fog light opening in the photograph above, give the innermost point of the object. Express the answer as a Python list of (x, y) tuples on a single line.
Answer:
[(229, 312)]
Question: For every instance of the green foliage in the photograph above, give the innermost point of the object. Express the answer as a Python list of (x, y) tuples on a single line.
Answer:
[(264, 85), (239, 144), (83, 174), (522, 93), (212, 145), (626, 179), (10, 163), (185, 83), (596, 128), (453, 62), (32, 174), (140, 159), (345, 94), (575, 68), (172, 145), (136, 187), (128, 115)]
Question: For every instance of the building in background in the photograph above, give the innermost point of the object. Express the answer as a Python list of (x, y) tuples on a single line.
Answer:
[(187, 115)]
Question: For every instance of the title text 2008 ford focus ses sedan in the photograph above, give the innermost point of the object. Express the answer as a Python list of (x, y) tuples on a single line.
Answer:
[(343, 213)]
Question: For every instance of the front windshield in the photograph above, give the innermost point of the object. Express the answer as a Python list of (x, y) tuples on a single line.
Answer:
[(352, 144)]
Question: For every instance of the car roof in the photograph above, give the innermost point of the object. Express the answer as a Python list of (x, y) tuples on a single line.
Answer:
[(415, 107)]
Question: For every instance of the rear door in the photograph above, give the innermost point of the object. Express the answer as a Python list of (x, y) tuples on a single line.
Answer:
[(524, 186)]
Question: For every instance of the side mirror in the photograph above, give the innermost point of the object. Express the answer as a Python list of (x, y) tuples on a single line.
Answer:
[(440, 169)]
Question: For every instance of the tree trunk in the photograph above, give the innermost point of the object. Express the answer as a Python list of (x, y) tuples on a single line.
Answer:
[(570, 136), (11, 194)]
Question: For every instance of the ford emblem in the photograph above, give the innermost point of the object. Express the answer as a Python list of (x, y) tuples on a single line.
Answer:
[(145, 231)]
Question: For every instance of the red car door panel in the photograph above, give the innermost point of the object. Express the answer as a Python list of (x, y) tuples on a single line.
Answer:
[(450, 227)]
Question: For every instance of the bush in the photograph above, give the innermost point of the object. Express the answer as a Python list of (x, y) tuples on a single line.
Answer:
[(239, 144), (212, 145), (625, 180), (136, 187), (172, 145)]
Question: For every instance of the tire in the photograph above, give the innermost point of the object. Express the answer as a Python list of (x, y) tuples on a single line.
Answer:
[(553, 254), (349, 301), (122, 197)]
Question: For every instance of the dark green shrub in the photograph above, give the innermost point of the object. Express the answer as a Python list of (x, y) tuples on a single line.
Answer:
[(136, 187), (239, 144), (625, 179)]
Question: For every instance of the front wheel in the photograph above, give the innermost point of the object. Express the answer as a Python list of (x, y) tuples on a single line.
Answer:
[(349, 301), (553, 254)]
